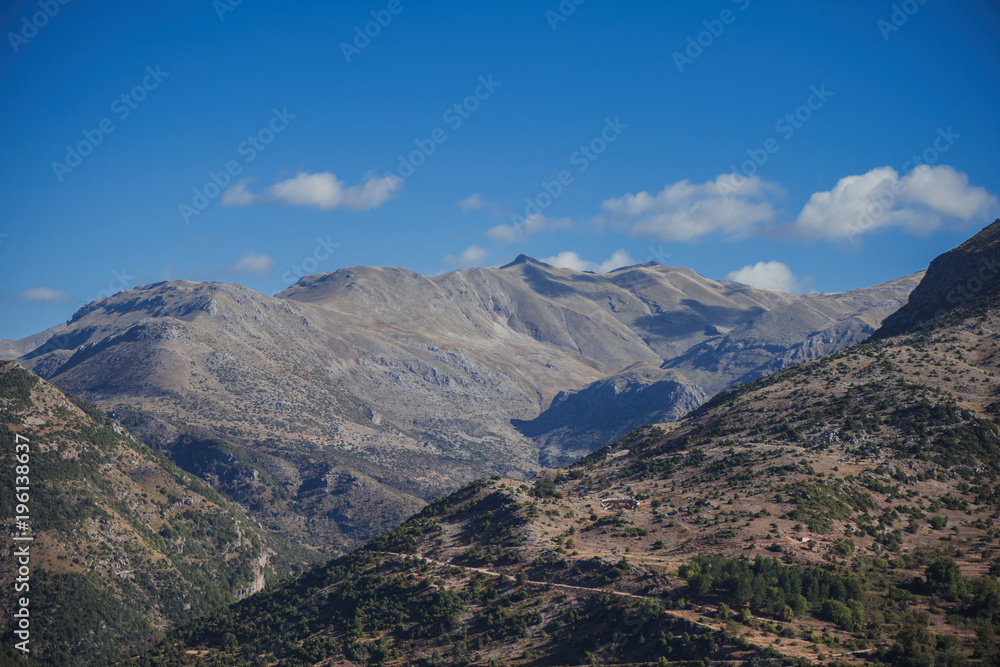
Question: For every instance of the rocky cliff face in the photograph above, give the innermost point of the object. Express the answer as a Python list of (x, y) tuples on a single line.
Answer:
[(414, 385), (963, 278)]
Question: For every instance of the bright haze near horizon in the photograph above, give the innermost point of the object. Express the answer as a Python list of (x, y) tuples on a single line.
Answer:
[(817, 146)]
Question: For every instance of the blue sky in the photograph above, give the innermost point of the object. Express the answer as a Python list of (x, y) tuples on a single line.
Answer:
[(771, 142)]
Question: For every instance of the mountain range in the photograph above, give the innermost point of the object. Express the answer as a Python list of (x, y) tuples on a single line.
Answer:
[(336, 408), (841, 511)]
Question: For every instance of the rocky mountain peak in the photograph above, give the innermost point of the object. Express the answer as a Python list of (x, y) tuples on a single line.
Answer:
[(525, 259)]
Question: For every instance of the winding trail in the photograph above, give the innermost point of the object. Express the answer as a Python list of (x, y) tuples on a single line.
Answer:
[(795, 648), (491, 573)]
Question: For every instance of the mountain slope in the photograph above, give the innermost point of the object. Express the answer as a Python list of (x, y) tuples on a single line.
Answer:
[(840, 510), (123, 541), (354, 397)]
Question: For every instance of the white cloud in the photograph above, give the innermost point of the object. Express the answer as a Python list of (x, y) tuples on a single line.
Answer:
[(253, 263), (919, 202), (471, 256), (926, 199), (323, 190), (472, 202), (45, 295), (237, 195), (947, 192), (685, 211), (570, 260), (769, 275), (533, 224)]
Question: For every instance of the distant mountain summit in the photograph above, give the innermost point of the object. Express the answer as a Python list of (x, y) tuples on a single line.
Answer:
[(962, 279), (525, 259)]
